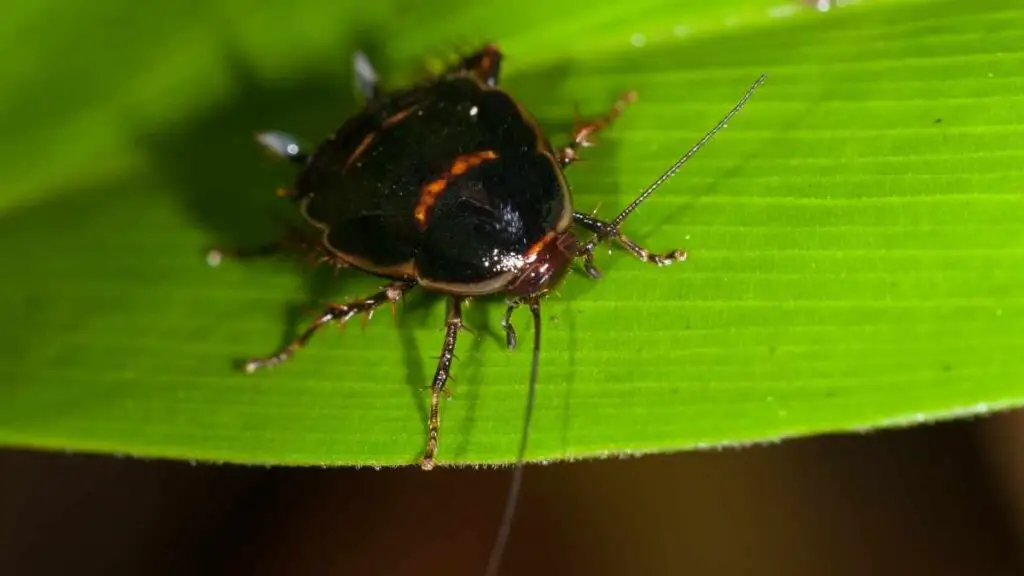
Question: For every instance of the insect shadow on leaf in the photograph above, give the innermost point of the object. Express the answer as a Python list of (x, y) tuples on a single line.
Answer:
[(225, 182)]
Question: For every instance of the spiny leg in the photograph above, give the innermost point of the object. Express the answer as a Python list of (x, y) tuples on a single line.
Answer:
[(484, 63), (444, 366), (603, 228), (282, 145), (216, 255), (506, 323), (586, 129), (293, 239), (335, 312)]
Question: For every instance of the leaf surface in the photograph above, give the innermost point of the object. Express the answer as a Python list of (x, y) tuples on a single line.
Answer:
[(855, 238)]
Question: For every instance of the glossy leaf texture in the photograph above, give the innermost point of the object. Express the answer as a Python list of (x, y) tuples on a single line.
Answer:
[(855, 235)]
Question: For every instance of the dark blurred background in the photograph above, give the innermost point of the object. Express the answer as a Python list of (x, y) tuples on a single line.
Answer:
[(944, 499)]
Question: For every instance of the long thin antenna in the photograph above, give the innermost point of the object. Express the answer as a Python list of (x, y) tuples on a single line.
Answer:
[(505, 528), (613, 228)]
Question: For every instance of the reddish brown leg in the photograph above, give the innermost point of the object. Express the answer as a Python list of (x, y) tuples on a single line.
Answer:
[(216, 255), (585, 130), (485, 64), (294, 239), (444, 366), (334, 313), (601, 227)]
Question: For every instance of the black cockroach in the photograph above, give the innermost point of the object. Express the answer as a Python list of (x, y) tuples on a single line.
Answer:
[(452, 186)]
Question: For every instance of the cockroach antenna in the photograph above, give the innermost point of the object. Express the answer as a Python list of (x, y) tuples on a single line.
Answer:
[(587, 251), (494, 562), (613, 226)]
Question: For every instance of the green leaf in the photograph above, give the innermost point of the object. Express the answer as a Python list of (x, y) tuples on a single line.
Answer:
[(855, 238)]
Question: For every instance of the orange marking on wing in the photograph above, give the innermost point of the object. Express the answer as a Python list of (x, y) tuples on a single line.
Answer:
[(398, 116), (539, 245), (360, 149), (432, 190)]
